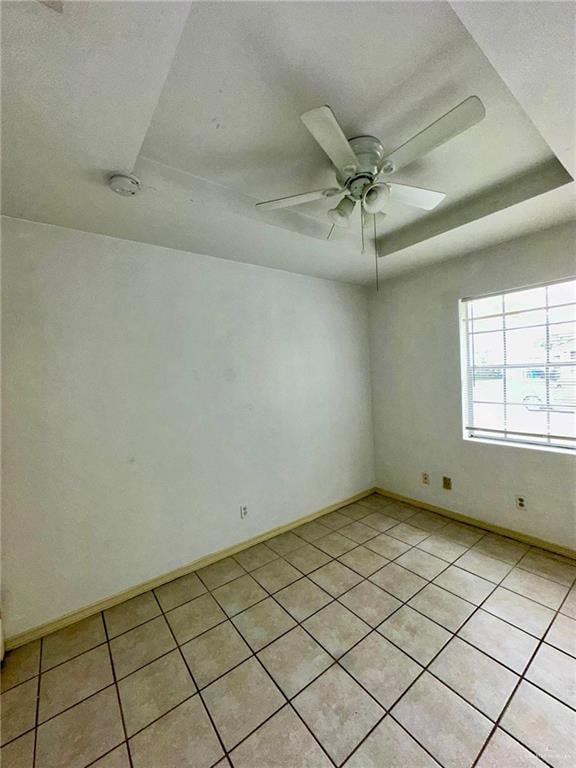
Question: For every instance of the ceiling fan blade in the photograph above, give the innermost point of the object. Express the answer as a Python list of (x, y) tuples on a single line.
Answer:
[(415, 196), (306, 197), (459, 119), (324, 127)]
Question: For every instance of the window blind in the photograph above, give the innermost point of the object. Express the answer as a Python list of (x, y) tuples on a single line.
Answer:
[(519, 366)]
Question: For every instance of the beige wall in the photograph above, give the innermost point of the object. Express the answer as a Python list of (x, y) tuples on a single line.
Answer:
[(415, 353), (148, 393)]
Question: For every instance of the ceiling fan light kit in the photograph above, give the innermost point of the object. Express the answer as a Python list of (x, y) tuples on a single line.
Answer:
[(363, 168), (340, 215), (376, 197)]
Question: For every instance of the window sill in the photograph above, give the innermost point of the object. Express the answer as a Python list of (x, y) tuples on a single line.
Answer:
[(518, 444)]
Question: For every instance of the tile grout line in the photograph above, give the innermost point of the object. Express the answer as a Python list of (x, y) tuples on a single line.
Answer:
[(37, 715), (197, 691), (388, 711), (254, 655), (117, 689), (280, 557), (521, 676), (403, 603), (495, 585), (304, 575), (333, 600), (337, 599), (72, 658), (300, 624), (484, 533), (360, 617), (337, 660), (521, 679), (229, 618), (178, 645), (454, 634)]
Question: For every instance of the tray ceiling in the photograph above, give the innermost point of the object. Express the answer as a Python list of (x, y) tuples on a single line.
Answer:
[(210, 122)]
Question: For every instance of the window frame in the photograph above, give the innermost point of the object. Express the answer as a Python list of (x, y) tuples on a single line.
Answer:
[(519, 439)]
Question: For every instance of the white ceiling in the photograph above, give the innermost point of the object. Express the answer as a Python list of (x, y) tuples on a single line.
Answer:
[(244, 72), (203, 101), (538, 38)]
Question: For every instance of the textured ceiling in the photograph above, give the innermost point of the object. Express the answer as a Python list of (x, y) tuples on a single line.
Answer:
[(203, 100), (244, 72)]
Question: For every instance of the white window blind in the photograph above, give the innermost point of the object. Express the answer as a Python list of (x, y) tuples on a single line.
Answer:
[(519, 366)]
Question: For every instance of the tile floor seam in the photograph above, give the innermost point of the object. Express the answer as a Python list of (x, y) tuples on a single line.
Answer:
[(426, 666), (521, 679), (364, 579), (117, 690), (499, 585), (197, 690), (156, 658), (423, 670), (210, 590), (387, 710), (469, 644), (68, 708), (76, 655), (156, 719), (549, 578), (109, 752), (255, 656), (544, 605), (517, 740), (552, 696), (337, 661), (293, 708), (37, 714), (403, 604), (287, 702), (412, 736)]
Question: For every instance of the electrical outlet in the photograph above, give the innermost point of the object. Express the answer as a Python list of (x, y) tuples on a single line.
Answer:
[(447, 483), (425, 478), (243, 512), (520, 502)]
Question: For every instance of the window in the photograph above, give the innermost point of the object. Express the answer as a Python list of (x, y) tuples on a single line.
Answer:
[(519, 366)]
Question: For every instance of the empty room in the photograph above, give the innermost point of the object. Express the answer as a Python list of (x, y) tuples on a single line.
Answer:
[(288, 384)]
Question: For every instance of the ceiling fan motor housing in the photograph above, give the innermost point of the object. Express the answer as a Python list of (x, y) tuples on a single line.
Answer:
[(370, 154)]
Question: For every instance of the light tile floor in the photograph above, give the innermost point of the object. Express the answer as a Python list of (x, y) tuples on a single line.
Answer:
[(316, 650)]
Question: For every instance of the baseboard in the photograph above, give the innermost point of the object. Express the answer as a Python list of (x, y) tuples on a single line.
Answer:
[(557, 549), (101, 605)]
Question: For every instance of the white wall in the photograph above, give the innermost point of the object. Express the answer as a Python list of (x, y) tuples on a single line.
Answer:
[(417, 402), (148, 393)]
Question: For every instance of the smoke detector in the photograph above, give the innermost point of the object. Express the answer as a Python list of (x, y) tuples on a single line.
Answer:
[(124, 184)]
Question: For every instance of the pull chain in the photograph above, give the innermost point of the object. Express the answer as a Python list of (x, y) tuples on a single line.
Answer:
[(376, 255)]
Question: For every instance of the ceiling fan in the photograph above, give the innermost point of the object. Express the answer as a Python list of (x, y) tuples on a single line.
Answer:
[(363, 168)]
